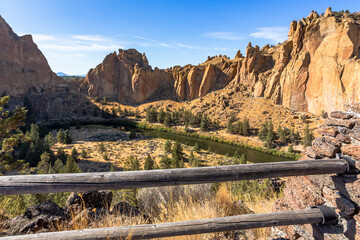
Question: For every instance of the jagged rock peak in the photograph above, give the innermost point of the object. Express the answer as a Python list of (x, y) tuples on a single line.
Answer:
[(23, 67)]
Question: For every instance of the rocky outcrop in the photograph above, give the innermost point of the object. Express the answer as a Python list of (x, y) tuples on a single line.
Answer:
[(127, 77), (316, 69), (41, 217), (26, 76), (341, 192), (23, 67), (81, 207)]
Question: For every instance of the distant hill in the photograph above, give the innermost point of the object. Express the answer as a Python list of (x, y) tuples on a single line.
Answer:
[(61, 74)]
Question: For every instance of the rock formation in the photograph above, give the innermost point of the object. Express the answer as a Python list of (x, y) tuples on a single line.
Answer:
[(316, 69), (128, 77), (23, 67), (25, 73), (340, 135)]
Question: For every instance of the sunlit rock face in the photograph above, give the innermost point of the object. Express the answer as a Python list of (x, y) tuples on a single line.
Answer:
[(23, 67), (317, 68)]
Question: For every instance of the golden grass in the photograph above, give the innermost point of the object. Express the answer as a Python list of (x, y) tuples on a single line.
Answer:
[(221, 204)]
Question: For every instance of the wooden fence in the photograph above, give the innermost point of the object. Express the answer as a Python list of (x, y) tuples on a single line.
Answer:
[(50, 183)]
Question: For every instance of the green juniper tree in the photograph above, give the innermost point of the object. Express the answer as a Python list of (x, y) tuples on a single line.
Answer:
[(44, 166), (168, 146), (196, 147), (60, 136), (83, 154), (149, 163), (75, 154), (71, 166), (308, 136), (10, 135), (177, 155), (165, 162), (263, 131), (68, 138)]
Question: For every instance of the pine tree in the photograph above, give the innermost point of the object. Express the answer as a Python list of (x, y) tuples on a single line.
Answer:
[(49, 141), (10, 135), (71, 166), (263, 132), (165, 162), (102, 148), (167, 146), (58, 166), (60, 136), (204, 125), (105, 156), (83, 154), (243, 159), (237, 154), (61, 154), (75, 154), (161, 116), (246, 127), (270, 140), (196, 147), (191, 158), (44, 166), (149, 163), (67, 137), (135, 164), (177, 155), (308, 136), (167, 120)]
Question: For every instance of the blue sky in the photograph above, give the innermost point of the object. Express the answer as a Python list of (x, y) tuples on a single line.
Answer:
[(76, 35)]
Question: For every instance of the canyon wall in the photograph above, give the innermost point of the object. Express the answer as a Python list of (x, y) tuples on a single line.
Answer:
[(25, 72), (23, 67), (317, 68)]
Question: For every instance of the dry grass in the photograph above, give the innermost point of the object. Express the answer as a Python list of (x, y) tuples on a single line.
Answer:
[(181, 204)]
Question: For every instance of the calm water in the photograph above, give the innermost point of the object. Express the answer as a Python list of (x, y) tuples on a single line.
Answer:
[(220, 148)]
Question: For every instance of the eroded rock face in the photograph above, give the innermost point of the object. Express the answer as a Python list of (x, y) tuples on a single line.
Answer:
[(23, 67), (316, 69)]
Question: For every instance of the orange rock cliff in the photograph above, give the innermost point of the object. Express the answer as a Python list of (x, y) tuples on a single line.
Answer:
[(317, 68)]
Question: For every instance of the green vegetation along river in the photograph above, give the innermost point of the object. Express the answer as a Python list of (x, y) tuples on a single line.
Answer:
[(220, 148)]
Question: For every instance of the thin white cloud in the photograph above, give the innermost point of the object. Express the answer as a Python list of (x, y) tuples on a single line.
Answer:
[(276, 34), (224, 35), (80, 47), (185, 46), (42, 37), (92, 38), (144, 38), (153, 42)]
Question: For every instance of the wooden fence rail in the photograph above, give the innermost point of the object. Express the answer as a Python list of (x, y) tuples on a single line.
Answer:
[(148, 231), (51, 183)]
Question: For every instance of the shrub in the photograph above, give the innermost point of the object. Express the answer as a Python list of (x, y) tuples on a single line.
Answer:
[(83, 154)]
